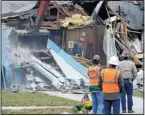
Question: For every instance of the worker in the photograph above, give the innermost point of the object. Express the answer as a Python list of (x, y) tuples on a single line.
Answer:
[(94, 89), (111, 83), (129, 73)]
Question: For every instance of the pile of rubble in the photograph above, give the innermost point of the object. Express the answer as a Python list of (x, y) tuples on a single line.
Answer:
[(124, 38)]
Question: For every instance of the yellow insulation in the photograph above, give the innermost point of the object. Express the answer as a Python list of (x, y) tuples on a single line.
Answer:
[(76, 20)]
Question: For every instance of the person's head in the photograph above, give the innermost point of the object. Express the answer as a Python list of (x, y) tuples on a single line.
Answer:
[(125, 55), (113, 61), (96, 59), (111, 65)]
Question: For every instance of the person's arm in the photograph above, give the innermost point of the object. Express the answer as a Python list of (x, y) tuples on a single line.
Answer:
[(121, 83), (134, 71), (100, 80), (100, 70)]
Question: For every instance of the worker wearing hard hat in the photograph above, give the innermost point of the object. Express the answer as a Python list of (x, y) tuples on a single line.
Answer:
[(96, 93), (112, 86), (129, 73)]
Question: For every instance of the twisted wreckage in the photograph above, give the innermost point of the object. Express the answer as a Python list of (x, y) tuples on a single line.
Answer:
[(71, 33)]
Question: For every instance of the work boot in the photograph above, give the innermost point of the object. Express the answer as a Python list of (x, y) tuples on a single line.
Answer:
[(130, 111), (123, 111)]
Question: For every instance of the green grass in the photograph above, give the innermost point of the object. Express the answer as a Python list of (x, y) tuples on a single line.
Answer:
[(138, 93), (37, 111), (34, 99), (40, 111)]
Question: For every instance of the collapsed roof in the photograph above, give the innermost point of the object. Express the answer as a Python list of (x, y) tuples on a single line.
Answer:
[(131, 11), (57, 11)]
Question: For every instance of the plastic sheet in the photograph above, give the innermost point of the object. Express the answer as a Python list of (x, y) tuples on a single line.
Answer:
[(69, 71), (137, 45), (109, 44), (138, 81)]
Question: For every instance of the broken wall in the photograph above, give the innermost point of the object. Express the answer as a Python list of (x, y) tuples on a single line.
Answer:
[(56, 36), (90, 39), (6, 62), (80, 37)]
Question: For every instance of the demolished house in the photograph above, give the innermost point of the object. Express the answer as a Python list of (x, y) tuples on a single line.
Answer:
[(19, 19), (40, 70), (124, 30), (77, 32), (61, 24)]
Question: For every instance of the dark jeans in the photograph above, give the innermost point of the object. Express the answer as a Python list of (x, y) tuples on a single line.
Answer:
[(109, 103), (128, 89), (97, 99)]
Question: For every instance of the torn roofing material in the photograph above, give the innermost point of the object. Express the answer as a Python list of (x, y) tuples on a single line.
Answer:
[(133, 13), (15, 6), (68, 58), (12, 9), (69, 71), (29, 6)]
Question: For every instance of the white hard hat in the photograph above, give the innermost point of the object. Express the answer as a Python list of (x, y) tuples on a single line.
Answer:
[(113, 60)]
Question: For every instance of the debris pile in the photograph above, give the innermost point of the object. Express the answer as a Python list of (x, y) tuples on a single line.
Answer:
[(138, 82), (43, 70), (85, 62), (124, 37)]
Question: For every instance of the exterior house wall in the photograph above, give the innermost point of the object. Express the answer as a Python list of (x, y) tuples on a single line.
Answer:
[(90, 39), (80, 35), (99, 35), (93, 41)]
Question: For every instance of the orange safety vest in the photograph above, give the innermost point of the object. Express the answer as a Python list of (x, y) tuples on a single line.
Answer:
[(94, 73), (110, 80)]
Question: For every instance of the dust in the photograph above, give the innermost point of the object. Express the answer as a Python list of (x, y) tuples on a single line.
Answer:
[(19, 55)]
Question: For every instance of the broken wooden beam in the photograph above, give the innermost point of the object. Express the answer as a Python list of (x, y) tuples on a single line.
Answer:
[(136, 60), (134, 31), (117, 14), (85, 62)]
